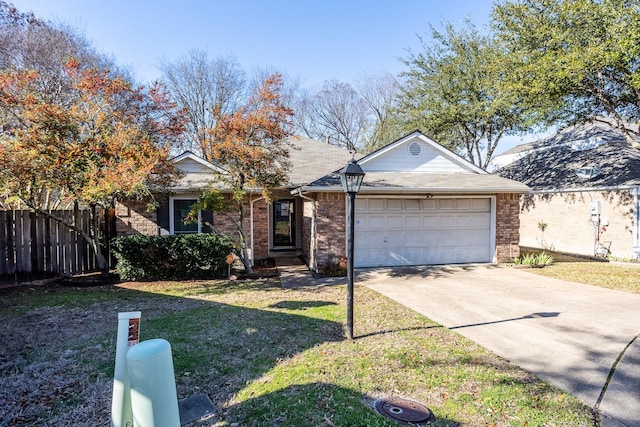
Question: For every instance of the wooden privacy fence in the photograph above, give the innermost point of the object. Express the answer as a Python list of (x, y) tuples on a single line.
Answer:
[(32, 244)]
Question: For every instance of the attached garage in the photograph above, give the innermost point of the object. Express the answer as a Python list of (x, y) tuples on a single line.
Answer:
[(419, 204), (405, 231)]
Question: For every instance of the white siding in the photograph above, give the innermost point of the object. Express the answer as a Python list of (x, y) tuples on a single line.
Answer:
[(191, 166), (415, 155)]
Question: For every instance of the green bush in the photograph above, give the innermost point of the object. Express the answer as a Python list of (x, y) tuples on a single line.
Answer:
[(170, 257), (535, 260)]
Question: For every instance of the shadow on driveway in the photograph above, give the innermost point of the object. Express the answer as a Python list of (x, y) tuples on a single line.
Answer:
[(568, 334)]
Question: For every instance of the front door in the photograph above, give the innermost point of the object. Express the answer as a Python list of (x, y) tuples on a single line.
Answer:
[(284, 224)]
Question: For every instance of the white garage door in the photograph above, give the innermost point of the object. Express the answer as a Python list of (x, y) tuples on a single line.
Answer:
[(394, 232)]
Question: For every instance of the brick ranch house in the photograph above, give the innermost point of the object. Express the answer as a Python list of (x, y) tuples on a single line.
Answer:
[(584, 199), (419, 204)]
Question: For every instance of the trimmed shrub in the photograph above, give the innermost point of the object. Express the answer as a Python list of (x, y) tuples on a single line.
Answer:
[(335, 267), (171, 257), (535, 260)]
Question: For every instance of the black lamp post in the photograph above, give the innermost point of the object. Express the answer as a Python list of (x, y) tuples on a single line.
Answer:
[(351, 176)]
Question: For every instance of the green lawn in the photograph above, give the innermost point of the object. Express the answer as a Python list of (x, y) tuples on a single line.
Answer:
[(264, 355)]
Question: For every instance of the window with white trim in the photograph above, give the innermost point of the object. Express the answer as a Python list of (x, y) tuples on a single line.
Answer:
[(179, 208)]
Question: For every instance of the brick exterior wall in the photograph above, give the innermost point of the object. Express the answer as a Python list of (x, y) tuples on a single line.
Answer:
[(327, 241), (330, 227), (224, 225), (569, 221), (260, 229), (132, 217), (507, 227)]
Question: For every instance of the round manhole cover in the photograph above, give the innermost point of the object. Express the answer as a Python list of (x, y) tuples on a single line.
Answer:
[(404, 411)]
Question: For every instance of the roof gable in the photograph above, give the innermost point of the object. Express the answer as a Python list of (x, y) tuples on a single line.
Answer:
[(416, 153), (191, 163)]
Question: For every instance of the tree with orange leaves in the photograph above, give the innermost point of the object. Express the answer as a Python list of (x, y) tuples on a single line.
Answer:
[(109, 140), (249, 146)]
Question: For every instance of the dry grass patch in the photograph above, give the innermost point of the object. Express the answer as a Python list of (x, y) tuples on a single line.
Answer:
[(613, 275), (265, 356)]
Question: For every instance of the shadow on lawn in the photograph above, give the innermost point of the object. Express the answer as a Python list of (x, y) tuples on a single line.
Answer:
[(301, 305), (318, 404), (218, 348)]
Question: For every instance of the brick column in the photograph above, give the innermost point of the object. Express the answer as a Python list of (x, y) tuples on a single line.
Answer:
[(331, 227), (507, 227)]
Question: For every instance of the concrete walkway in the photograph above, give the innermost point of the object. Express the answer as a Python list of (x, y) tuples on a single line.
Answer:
[(294, 274), (568, 334)]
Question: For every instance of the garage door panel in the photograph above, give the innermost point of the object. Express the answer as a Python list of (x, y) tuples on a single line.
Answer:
[(376, 222), (446, 204), (480, 220), (463, 204), (481, 205), (413, 222), (395, 240), (430, 205), (432, 231), (447, 221), (395, 205), (463, 221), (395, 222), (429, 222), (469, 239), (412, 205), (375, 204)]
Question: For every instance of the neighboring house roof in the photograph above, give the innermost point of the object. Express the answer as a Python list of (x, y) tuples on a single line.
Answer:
[(417, 164), (589, 155)]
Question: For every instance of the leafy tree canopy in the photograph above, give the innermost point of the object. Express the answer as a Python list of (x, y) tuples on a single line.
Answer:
[(453, 91), (108, 140), (249, 145), (573, 59)]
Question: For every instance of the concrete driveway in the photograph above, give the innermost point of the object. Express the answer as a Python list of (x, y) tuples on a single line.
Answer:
[(568, 334)]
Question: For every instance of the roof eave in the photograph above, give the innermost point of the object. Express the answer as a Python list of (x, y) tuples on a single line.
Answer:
[(395, 190)]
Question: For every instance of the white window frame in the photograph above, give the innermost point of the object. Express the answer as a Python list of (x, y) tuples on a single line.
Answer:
[(172, 213)]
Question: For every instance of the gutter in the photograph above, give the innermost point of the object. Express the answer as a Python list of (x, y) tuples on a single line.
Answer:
[(364, 191)]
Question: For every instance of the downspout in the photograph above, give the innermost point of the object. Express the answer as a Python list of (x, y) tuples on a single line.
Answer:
[(314, 240), (252, 201)]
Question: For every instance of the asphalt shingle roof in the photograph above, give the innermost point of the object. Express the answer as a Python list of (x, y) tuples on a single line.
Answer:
[(553, 165), (416, 182), (311, 160)]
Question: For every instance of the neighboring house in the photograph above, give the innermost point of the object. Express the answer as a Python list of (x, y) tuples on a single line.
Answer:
[(419, 204), (584, 197)]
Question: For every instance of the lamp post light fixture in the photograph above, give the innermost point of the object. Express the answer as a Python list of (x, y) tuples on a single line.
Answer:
[(351, 177)]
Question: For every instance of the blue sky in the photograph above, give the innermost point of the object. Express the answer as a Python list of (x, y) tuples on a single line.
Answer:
[(314, 41)]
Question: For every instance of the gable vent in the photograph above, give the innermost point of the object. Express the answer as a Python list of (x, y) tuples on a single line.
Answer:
[(415, 149)]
